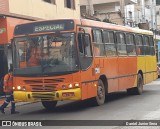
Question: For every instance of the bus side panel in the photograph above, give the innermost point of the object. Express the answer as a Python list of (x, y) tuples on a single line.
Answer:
[(89, 89), (150, 67), (127, 72), (141, 66), (111, 71)]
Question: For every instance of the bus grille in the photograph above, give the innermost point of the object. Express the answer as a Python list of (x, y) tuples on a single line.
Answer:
[(43, 96), (44, 85), (44, 88)]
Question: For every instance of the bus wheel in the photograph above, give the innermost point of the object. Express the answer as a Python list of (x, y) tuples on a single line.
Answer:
[(139, 89), (100, 98), (49, 105)]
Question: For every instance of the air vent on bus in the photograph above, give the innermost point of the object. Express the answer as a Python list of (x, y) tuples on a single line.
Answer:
[(54, 80), (33, 81), (43, 88), (43, 96)]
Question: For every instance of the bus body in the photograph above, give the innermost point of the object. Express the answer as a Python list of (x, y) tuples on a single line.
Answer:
[(78, 59)]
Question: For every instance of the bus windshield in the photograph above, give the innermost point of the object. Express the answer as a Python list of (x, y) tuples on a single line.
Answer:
[(45, 54)]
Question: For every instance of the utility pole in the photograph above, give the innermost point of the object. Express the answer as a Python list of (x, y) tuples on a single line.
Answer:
[(155, 18), (89, 7), (143, 11), (122, 5)]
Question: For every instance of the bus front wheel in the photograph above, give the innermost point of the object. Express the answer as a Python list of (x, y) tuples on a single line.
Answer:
[(100, 98), (49, 105)]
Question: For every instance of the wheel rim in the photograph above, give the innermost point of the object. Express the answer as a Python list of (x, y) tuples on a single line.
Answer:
[(100, 92), (140, 85)]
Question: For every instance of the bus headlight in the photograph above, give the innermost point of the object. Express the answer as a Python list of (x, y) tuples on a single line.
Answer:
[(76, 84), (70, 86), (18, 87)]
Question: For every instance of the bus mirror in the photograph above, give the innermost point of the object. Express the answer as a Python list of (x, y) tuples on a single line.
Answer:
[(82, 30)]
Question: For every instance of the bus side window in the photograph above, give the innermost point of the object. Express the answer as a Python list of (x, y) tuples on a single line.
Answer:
[(146, 45), (139, 45), (121, 45), (131, 50), (151, 44), (85, 53), (108, 39), (80, 43), (98, 48), (84, 45)]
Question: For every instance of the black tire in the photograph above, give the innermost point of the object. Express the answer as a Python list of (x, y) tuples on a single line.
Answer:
[(139, 89), (100, 98), (49, 105)]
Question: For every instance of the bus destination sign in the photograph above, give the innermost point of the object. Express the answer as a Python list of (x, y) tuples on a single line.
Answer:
[(45, 28)]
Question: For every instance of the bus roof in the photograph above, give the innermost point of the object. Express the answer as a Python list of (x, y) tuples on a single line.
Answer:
[(110, 26), (97, 24)]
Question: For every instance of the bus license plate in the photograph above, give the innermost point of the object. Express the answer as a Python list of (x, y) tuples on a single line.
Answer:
[(68, 94)]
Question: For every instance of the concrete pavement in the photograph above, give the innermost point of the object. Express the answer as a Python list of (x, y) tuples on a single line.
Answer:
[(3, 98)]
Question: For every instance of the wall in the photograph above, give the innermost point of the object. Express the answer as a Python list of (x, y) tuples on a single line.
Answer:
[(44, 10), (7, 25), (4, 6), (3, 30)]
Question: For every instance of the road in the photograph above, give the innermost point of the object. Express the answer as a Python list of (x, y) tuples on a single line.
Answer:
[(119, 106)]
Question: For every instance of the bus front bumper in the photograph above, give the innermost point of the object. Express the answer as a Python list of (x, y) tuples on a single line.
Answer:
[(71, 94)]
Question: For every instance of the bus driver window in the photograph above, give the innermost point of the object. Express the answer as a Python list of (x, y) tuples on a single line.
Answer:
[(84, 45)]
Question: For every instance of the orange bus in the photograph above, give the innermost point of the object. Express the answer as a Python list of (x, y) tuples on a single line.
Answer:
[(78, 59)]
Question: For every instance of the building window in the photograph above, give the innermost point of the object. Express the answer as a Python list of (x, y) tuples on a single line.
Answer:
[(69, 4), (50, 1)]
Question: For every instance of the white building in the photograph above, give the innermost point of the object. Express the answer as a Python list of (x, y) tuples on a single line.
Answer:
[(125, 12), (112, 10)]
